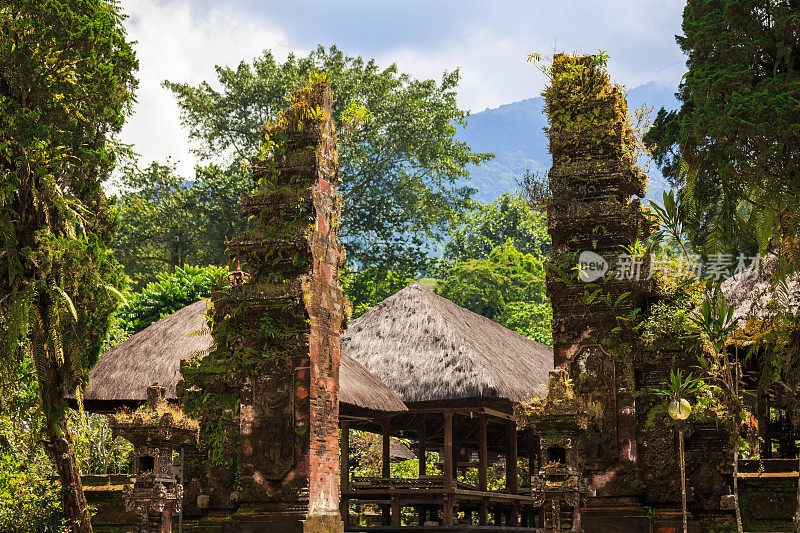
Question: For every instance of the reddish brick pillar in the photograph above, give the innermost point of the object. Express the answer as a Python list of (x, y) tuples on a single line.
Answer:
[(324, 306), (269, 391)]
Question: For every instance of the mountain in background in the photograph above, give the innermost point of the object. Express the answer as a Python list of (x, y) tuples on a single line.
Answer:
[(514, 133)]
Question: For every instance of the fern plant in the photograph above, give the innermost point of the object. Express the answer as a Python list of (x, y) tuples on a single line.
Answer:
[(67, 79)]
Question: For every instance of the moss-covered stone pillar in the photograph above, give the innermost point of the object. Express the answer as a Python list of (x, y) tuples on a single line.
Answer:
[(594, 223), (268, 392)]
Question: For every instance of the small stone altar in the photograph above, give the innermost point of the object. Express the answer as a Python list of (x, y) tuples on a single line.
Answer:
[(559, 421), (156, 429)]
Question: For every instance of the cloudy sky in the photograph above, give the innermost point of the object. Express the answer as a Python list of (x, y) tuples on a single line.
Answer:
[(182, 40)]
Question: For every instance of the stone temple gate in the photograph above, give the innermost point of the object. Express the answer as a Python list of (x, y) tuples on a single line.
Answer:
[(600, 452), (267, 394)]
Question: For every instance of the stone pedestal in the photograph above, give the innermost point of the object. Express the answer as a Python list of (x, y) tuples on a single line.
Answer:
[(155, 430)]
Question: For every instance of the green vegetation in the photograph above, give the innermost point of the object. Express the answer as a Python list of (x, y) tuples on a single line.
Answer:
[(66, 82), (168, 221), (509, 219), (29, 498), (732, 147), (398, 155), (169, 292), (493, 265), (507, 287)]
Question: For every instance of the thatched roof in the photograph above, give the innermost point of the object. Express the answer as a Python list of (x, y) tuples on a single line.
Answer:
[(399, 452), (154, 354), (426, 348), (751, 292)]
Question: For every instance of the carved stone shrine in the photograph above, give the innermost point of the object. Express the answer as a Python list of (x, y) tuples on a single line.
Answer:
[(156, 430)]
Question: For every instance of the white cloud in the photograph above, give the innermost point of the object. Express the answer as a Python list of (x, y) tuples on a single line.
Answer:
[(493, 70), (182, 40), (178, 43)]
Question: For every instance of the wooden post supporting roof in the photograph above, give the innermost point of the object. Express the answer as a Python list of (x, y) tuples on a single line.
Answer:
[(483, 459), (454, 455), (386, 471), (385, 456), (512, 483), (344, 470), (448, 468), (395, 511), (762, 413), (422, 449)]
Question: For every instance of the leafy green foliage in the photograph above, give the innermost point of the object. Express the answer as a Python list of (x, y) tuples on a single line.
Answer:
[(713, 322), (493, 265), (679, 385), (169, 292), (368, 286), (732, 148), (66, 81), (507, 287), (529, 319), (29, 500), (168, 221), (398, 155), (96, 449), (487, 226), (668, 320)]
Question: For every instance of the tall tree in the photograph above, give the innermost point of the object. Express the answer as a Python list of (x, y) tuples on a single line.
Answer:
[(168, 221), (400, 162), (66, 82), (507, 287), (487, 226), (733, 148), (493, 265)]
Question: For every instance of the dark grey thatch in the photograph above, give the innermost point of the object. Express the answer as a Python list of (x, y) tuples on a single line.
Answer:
[(426, 348), (399, 452), (752, 292), (154, 355)]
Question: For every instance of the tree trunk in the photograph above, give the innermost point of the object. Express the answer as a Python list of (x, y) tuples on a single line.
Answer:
[(62, 453)]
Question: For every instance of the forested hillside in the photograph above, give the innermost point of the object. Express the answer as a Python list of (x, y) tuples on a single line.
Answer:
[(513, 132)]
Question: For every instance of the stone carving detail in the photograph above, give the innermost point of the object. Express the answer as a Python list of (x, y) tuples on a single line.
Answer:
[(155, 431), (275, 414)]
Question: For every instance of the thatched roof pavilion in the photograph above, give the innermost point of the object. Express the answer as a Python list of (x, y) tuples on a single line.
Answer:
[(459, 373), (154, 355), (425, 348), (756, 296)]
